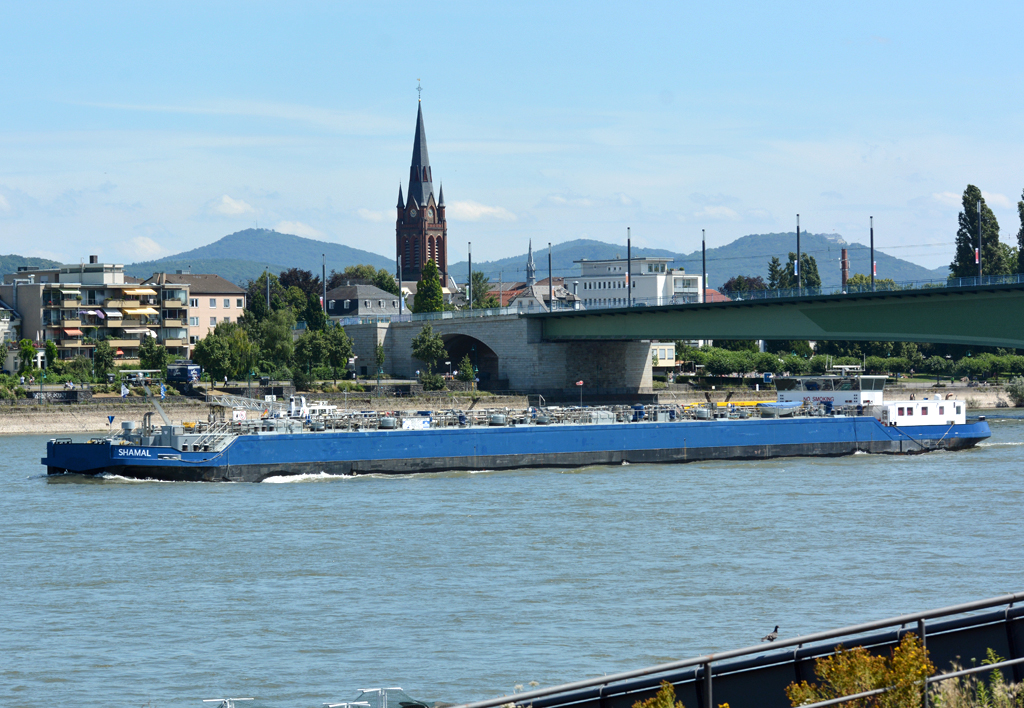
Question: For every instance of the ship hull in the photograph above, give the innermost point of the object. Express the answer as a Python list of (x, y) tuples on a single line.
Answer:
[(254, 458)]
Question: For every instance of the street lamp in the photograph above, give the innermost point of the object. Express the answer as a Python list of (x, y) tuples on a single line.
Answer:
[(449, 369)]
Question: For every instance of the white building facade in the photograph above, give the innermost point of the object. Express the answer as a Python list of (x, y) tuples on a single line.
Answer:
[(650, 281)]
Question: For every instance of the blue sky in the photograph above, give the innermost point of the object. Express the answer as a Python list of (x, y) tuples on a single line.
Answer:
[(136, 130)]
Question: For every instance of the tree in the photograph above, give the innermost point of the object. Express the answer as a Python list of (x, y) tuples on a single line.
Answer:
[(428, 347), (481, 289), (26, 355), (339, 348), (745, 283), (1020, 235), (256, 296), (379, 356), (364, 274), (860, 283), (993, 256), (313, 314), (428, 292), (151, 354), (244, 353), (466, 372), (51, 352), (276, 335), (776, 274), (213, 353), (304, 280), (103, 358), (310, 349)]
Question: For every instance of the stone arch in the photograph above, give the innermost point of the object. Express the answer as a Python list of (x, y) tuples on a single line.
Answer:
[(483, 357)]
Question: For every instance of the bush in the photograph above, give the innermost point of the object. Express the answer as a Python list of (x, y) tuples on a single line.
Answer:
[(432, 382), (300, 380), (850, 671), (664, 698), (969, 692), (1015, 390), (660, 377)]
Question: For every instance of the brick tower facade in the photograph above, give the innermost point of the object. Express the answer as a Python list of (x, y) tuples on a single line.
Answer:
[(421, 231)]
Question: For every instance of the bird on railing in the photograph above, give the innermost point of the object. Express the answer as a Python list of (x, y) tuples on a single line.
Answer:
[(772, 636)]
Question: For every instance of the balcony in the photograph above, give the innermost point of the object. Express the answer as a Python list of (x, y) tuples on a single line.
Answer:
[(70, 322), (74, 343), (174, 323), (174, 342), (121, 303), (115, 343), (173, 304)]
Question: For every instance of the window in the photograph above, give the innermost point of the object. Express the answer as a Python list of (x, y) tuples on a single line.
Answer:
[(213, 302), (924, 410), (366, 304), (942, 410), (380, 303), (213, 321), (227, 319), (238, 302), (910, 410), (347, 302), (900, 412), (193, 302), (958, 410), (193, 321), (227, 303)]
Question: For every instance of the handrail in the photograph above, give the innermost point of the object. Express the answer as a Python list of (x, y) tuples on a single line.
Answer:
[(708, 659)]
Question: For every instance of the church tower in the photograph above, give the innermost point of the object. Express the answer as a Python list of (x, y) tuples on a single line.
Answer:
[(421, 231)]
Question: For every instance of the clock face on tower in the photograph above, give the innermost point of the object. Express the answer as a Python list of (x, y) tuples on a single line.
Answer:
[(412, 213), (430, 212)]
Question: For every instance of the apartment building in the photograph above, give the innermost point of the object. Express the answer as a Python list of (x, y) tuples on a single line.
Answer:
[(603, 283), (75, 306), (211, 300)]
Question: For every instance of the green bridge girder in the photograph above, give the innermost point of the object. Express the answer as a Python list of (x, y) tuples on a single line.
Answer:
[(991, 315)]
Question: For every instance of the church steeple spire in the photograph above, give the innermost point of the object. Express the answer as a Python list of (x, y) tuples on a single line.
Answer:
[(401, 202), (531, 268), (421, 184)]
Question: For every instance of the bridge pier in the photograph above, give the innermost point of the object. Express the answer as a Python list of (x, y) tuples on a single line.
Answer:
[(510, 353)]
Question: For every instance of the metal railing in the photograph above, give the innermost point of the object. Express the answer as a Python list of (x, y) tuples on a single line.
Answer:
[(706, 666), (880, 287)]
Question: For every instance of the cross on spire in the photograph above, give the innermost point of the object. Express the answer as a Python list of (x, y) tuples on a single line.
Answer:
[(419, 90)]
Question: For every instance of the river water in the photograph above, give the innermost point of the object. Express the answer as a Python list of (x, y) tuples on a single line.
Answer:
[(460, 586)]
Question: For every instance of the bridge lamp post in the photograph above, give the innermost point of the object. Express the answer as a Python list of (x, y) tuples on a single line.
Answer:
[(449, 369)]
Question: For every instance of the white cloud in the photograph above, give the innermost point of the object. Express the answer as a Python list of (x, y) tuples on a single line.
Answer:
[(999, 200), (145, 248), (719, 213), (368, 215), (947, 198), (5, 206), (297, 228), (231, 207), (474, 211), (573, 201)]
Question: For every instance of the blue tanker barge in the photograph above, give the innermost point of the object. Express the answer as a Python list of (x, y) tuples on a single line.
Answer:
[(322, 440)]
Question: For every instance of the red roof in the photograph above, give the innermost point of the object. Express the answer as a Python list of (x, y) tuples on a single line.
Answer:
[(715, 296)]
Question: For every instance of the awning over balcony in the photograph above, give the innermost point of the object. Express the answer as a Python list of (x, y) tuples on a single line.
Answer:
[(69, 292), (141, 311), (140, 291), (73, 332), (137, 330), (112, 313), (119, 352)]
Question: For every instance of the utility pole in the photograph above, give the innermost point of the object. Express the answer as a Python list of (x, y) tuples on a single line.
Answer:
[(267, 273), (873, 254), (469, 283), (629, 268), (796, 266), (551, 282), (703, 268), (977, 253), (323, 304), (401, 299)]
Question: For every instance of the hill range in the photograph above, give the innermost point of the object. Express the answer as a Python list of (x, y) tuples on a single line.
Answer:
[(242, 256)]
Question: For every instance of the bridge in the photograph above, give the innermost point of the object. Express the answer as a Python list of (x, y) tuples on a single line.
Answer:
[(979, 315)]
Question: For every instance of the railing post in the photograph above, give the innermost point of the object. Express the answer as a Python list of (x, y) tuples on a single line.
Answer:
[(708, 702), (924, 646)]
